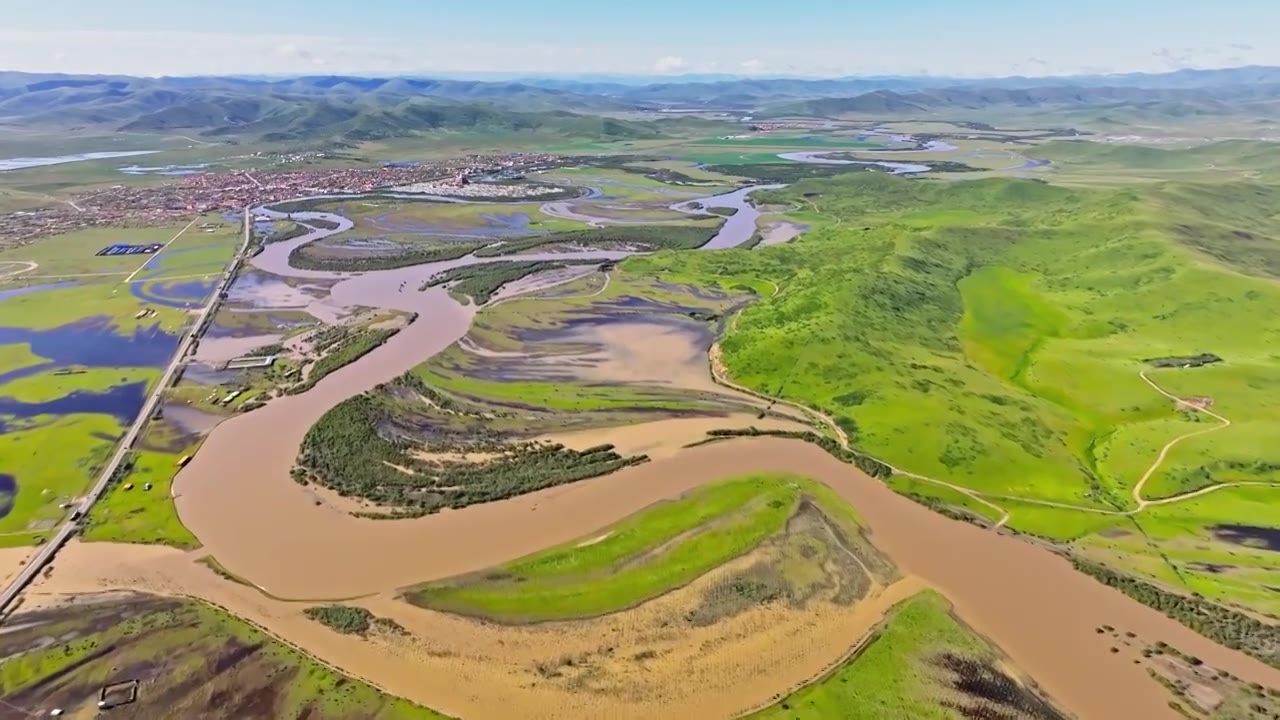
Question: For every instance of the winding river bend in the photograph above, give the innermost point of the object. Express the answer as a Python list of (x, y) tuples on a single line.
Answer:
[(237, 496)]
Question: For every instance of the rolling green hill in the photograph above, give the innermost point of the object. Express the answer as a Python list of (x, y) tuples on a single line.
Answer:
[(993, 333), (1170, 103), (307, 108)]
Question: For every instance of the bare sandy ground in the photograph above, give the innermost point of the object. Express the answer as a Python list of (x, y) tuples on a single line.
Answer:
[(665, 438), (11, 562), (776, 232), (219, 350), (631, 664), (539, 282), (651, 353)]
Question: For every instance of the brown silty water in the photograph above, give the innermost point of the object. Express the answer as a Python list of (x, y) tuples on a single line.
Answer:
[(634, 664), (238, 498)]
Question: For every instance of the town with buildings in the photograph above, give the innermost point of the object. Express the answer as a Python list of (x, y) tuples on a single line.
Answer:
[(132, 205)]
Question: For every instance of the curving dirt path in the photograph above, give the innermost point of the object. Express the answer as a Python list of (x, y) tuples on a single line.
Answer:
[(1223, 424), (26, 267), (720, 374)]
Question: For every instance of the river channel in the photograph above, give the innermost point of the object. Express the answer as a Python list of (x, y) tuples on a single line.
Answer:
[(237, 496)]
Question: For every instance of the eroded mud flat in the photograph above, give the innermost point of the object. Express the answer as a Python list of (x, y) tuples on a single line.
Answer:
[(627, 665), (665, 438)]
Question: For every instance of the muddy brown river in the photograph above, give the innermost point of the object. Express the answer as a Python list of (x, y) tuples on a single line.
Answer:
[(236, 495)]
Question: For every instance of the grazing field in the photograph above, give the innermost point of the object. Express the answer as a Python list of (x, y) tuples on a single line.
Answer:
[(78, 356), (1218, 162), (1221, 546), (189, 659), (1018, 317), (922, 663), (649, 554), (132, 512), (75, 253)]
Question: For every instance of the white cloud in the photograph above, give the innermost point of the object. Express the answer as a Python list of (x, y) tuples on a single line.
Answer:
[(670, 64), (268, 52)]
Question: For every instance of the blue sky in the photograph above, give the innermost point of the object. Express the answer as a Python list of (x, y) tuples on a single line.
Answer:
[(816, 37)]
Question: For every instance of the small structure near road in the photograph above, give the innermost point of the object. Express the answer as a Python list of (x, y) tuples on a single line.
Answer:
[(249, 363), (117, 694)]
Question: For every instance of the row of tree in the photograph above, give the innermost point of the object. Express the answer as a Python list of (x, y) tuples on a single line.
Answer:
[(1223, 625)]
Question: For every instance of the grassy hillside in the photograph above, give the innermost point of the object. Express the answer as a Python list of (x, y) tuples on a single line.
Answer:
[(1168, 102), (308, 110), (992, 334), (1124, 159)]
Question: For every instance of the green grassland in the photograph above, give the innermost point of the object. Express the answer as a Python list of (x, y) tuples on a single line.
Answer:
[(719, 156), (630, 186), (74, 253), (1111, 164), (1015, 316), (899, 674), (57, 306), (128, 512), (684, 168), (379, 217), (817, 142), (646, 555), (1191, 556), (55, 457), (196, 253), (184, 653)]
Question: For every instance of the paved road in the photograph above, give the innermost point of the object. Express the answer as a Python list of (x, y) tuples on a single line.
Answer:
[(72, 525)]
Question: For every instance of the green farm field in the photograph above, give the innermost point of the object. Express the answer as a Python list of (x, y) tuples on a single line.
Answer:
[(651, 553)]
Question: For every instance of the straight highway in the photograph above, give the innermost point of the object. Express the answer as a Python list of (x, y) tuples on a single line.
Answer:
[(69, 528)]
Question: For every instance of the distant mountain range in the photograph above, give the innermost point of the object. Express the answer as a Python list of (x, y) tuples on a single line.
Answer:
[(360, 108), (1263, 99)]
